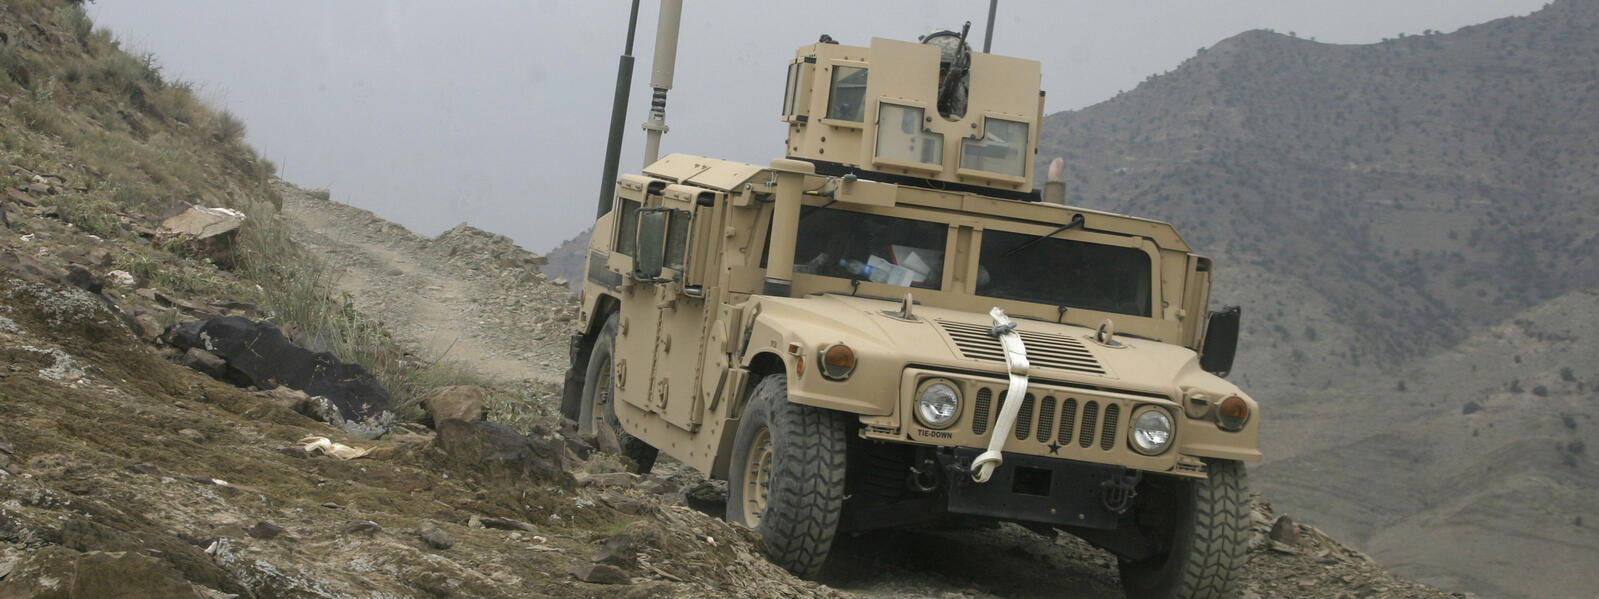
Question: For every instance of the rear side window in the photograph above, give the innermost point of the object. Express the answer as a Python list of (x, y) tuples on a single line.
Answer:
[(627, 228)]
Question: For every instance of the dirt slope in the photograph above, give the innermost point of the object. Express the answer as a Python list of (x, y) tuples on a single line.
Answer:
[(445, 297)]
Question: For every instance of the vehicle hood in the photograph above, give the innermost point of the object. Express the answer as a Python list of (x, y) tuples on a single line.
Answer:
[(956, 339)]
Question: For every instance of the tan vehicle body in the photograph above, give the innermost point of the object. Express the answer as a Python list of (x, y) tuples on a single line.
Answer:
[(684, 360), (730, 306)]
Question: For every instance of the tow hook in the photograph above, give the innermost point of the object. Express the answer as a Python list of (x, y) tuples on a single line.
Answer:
[(924, 477), (1118, 491)]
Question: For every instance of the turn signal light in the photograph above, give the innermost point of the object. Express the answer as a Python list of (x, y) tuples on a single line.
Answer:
[(838, 361), (1233, 413)]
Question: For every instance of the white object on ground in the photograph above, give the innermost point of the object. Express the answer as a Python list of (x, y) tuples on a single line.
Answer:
[(121, 278), (338, 450)]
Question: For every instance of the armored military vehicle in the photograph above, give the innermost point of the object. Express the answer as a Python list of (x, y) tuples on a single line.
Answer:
[(890, 325)]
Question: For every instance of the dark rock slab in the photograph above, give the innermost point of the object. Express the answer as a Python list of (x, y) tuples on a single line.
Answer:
[(258, 354)]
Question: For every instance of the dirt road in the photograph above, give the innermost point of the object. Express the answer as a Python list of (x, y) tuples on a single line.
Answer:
[(442, 304)]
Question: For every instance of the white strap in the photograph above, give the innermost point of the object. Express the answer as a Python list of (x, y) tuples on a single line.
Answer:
[(1016, 361)]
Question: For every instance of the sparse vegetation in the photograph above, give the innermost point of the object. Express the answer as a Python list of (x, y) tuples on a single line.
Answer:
[(101, 105), (229, 128)]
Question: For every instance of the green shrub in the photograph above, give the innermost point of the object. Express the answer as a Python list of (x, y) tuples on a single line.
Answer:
[(73, 19), (91, 215), (229, 128)]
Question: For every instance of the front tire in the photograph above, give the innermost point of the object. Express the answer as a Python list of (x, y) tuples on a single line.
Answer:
[(786, 478), (1206, 537), (598, 409)]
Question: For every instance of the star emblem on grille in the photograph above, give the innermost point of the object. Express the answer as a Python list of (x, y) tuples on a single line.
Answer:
[(1054, 449)]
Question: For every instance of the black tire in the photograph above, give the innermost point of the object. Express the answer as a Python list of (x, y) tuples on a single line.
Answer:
[(1208, 536), (796, 455), (598, 410)]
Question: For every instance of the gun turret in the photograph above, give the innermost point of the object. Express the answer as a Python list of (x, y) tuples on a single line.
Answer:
[(950, 100)]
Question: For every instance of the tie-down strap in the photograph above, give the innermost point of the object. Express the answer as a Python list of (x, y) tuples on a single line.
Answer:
[(1016, 363)]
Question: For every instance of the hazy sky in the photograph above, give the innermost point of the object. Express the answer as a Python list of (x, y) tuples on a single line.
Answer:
[(494, 112)]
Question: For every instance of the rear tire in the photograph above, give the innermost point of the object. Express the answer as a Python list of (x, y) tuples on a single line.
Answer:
[(786, 478), (1207, 537), (598, 411)]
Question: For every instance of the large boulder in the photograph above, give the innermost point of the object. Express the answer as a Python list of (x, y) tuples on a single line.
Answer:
[(498, 450), (462, 402), (258, 354), (210, 232)]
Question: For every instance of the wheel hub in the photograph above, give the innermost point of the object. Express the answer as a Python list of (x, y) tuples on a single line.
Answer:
[(758, 477)]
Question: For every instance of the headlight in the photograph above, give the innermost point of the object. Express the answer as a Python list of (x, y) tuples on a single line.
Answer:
[(1152, 431), (838, 361), (938, 404)]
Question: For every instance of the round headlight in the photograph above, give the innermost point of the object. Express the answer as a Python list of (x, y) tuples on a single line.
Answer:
[(838, 361), (1152, 432), (938, 404)]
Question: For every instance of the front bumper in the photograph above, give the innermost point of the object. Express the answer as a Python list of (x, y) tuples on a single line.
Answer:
[(1043, 490)]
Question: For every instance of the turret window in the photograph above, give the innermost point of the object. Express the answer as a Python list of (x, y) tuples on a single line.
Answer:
[(846, 99), (1002, 149), (901, 137)]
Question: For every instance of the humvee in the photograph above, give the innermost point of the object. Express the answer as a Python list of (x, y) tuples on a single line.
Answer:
[(891, 326)]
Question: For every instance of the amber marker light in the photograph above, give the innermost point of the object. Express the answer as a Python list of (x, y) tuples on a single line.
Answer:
[(1233, 413), (838, 361), (799, 365)]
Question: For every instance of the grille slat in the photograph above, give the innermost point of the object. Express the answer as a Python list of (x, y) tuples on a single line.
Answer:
[(980, 410), (1024, 418), (1068, 420), (1046, 418), (1085, 435), (1043, 350), (1107, 435)]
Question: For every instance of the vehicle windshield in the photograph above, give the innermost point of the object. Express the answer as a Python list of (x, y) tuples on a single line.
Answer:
[(870, 247), (1062, 272)]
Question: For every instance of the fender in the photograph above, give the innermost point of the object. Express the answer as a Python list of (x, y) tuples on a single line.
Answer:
[(773, 334)]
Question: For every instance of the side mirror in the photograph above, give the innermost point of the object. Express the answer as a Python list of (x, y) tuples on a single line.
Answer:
[(1221, 341), (651, 245)]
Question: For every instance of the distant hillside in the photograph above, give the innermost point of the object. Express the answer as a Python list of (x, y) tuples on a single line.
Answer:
[(1367, 204), (1466, 469)]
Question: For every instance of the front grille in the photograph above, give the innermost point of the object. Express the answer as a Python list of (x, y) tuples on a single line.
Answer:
[(1072, 426), (1043, 350)]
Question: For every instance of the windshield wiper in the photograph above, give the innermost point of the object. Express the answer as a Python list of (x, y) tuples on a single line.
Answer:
[(1077, 221)]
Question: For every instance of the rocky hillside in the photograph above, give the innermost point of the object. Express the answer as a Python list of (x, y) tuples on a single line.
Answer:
[(1367, 204), (1409, 226), (1478, 466)]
